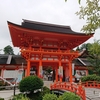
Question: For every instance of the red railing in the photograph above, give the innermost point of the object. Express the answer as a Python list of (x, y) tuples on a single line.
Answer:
[(91, 84), (77, 89)]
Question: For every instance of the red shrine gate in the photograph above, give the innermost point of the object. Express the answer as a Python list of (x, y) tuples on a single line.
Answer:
[(45, 45)]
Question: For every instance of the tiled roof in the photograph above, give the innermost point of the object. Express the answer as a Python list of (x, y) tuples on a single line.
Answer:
[(48, 27), (17, 59)]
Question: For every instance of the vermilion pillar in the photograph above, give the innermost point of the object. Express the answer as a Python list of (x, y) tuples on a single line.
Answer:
[(66, 73), (2, 72), (86, 72), (70, 72), (56, 73), (28, 68), (40, 69), (60, 78)]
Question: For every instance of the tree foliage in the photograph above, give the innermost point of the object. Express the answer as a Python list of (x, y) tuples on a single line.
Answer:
[(69, 96), (8, 50), (78, 1), (84, 46), (20, 97), (50, 97), (94, 52), (30, 83), (91, 13), (92, 77)]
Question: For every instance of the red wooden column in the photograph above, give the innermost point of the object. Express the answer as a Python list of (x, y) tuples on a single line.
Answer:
[(70, 71), (86, 72), (40, 69), (56, 73), (28, 68), (2, 72), (66, 73), (60, 77)]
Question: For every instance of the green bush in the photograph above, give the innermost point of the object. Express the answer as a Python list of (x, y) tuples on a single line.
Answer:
[(35, 96), (20, 97), (49, 97), (69, 96), (90, 78), (38, 95), (1, 88), (1, 83), (1, 98), (30, 83), (45, 90)]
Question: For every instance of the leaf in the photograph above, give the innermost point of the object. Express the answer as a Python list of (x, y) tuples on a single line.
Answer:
[(79, 1)]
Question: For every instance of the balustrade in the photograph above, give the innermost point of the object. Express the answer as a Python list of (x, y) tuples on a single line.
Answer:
[(77, 89), (91, 84)]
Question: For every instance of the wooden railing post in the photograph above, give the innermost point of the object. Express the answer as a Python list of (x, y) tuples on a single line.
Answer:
[(84, 95)]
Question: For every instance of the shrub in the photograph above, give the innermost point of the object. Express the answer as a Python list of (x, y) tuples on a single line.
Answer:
[(49, 97), (90, 78), (45, 90), (69, 96), (30, 83), (1, 83), (1, 98), (35, 96), (20, 97), (38, 95)]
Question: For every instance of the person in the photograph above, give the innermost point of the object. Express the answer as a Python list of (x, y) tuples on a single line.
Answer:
[(77, 76), (67, 79)]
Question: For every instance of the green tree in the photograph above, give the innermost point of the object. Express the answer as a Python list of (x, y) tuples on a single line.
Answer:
[(78, 48), (85, 46), (94, 52), (30, 83), (8, 50), (91, 13)]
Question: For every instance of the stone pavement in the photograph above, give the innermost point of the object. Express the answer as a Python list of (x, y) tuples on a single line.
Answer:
[(47, 83), (7, 94), (91, 93)]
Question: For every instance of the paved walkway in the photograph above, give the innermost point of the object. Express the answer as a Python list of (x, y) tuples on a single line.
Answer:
[(91, 93), (7, 94)]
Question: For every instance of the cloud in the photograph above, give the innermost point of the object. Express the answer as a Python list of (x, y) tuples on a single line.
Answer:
[(48, 11)]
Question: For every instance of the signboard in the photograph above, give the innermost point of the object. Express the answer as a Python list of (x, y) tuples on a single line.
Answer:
[(16, 74), (10, 74)]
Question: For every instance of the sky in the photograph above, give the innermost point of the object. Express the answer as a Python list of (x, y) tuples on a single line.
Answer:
[(47, 11)]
